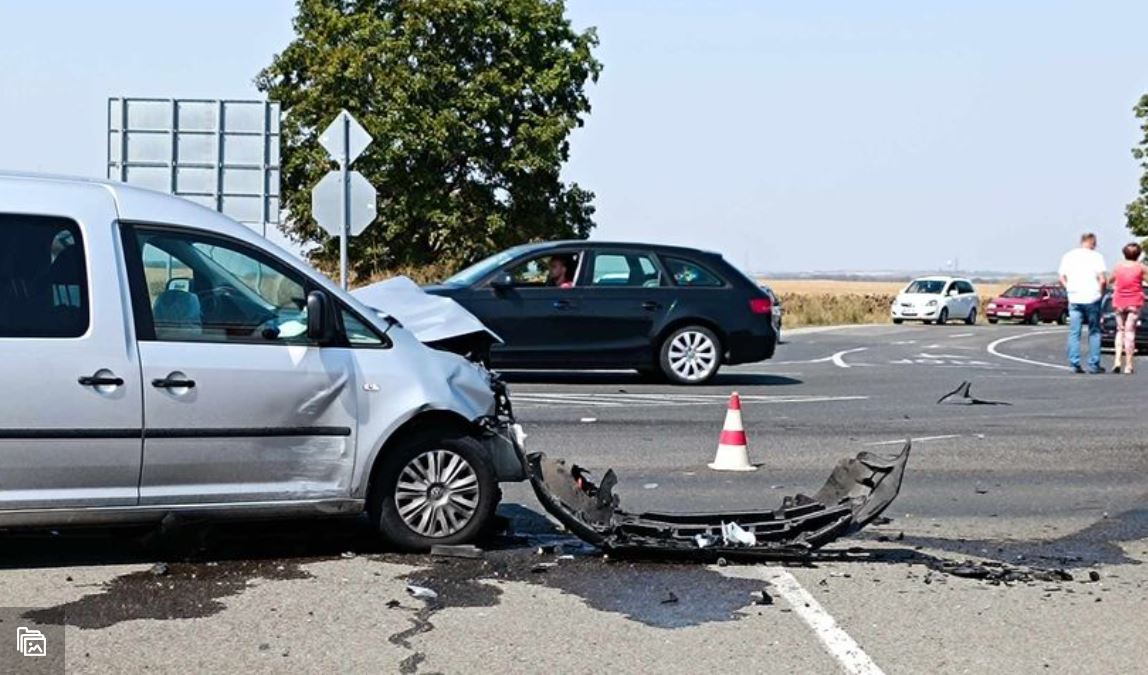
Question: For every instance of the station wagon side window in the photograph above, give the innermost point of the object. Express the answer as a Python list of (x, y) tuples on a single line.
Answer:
[(537, 271), (43, 278), (625, 269), (689, 273), (206, 289)]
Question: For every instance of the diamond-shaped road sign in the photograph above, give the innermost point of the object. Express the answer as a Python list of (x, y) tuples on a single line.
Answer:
[(327, 203), (344, 139)]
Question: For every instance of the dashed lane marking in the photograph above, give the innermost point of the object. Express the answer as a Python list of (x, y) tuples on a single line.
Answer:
[(565, 399), (922, 439)]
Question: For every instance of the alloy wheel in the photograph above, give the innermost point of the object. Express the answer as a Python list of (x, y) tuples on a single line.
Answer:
[(693, 355), (437, 493)]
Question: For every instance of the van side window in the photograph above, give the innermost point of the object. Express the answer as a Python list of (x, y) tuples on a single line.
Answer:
[(203, 289), (43, 278)]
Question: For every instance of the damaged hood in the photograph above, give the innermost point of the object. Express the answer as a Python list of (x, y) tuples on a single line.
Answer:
[(430, 318), (858, 490)]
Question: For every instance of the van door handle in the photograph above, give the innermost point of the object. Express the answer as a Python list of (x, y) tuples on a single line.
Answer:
[(169, 383), (101, 381), (650, 305), (562, 304)]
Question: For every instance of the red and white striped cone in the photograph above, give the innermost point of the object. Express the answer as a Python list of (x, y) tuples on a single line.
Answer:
[(732, 450)]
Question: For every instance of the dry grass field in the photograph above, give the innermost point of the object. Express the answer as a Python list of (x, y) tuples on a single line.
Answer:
[(829, 302)]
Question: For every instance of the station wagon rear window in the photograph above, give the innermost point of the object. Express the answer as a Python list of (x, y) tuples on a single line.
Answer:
[(689, 273), (43, 278)]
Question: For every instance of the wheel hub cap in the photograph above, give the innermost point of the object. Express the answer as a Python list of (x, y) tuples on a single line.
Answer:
[(437, 493), (693, 355)]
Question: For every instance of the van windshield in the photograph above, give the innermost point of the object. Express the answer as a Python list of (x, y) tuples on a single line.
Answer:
[(926, 286)]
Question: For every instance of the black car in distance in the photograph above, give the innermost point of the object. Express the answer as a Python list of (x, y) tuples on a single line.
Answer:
[(677, 312)]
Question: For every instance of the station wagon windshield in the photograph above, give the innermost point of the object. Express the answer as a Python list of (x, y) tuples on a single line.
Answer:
[(926, 286), (480, 269)]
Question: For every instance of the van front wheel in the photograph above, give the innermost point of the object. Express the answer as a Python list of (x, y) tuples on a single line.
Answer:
[(433, 490)]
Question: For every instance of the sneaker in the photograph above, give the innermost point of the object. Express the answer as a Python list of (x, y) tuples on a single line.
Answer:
[(1078, 370), (1096, 371), (1116, 369)]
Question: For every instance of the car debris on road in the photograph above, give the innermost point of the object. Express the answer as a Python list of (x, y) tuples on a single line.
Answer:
[(856, 493), (962, 396)]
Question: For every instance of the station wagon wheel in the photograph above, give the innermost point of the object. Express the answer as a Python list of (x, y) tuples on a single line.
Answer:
[(433, 490), (691, 355), (1063, 318)]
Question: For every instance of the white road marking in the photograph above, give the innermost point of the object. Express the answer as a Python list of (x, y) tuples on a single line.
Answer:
[(565, 399), (843, 648), (993, 349), (922, 439), (838, 359), (962, 335)]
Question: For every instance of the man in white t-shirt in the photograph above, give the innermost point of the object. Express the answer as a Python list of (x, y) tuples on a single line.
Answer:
[(1084, 275)]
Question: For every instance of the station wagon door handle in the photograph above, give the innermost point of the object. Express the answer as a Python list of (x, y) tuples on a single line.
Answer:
[(563, 304), (169, 383), (101, 381), (650, 305)]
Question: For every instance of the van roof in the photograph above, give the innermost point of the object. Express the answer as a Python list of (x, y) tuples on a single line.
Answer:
[(134, 203)]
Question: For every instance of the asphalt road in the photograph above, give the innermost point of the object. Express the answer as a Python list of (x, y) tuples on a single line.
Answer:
[(1054, 480)]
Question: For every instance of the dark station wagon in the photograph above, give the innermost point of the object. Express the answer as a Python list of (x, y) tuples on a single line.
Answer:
[(662, 310)]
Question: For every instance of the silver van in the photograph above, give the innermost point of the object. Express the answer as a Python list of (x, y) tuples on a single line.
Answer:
[(158, 357)]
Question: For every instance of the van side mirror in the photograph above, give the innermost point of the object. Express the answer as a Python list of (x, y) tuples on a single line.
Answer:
[(320, 317), (502, 281)]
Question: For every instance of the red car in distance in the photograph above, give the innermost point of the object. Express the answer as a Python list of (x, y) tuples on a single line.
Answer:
[(1030, 303)]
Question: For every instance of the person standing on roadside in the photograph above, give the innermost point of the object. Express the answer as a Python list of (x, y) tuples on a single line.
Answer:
[(1084, 275), (1127, 299)]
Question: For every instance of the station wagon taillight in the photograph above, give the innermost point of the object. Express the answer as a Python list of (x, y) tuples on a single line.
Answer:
[(760, 305)]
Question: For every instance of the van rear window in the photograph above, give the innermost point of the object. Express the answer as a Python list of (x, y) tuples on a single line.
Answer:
[(43, 278)]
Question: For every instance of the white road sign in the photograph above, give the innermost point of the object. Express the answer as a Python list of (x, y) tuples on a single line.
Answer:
[(327, 203), (344, 139)]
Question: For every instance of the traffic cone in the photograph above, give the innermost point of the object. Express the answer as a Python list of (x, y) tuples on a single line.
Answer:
[(732, 451)]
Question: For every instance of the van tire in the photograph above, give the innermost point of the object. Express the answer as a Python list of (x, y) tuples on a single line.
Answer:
[(384, 509)]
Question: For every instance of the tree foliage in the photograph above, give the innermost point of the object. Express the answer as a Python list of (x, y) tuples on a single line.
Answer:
[(471, 104), (1137, 211)]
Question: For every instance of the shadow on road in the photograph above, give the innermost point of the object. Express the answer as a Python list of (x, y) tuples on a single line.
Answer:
[(628, 378)]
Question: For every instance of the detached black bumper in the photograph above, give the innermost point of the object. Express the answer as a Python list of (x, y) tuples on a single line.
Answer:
[(858, 491)]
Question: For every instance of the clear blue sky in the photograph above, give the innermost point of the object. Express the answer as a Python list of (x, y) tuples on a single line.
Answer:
[(790, 136)]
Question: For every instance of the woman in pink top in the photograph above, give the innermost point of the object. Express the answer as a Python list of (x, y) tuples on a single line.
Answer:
[(1127, 299)]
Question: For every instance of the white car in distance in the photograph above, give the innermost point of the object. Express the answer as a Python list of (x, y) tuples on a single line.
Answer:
[(937, 299)]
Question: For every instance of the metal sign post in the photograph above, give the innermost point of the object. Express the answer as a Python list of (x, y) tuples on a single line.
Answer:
[(343, 201)]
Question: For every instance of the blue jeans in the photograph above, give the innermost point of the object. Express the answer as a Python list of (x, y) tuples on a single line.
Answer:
[(1078, 314)]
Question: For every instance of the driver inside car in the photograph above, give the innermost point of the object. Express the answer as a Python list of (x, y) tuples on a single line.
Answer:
[(561, 272)]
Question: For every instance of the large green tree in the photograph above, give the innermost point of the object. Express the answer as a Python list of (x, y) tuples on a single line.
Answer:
[(471, 104), (1137, 211)]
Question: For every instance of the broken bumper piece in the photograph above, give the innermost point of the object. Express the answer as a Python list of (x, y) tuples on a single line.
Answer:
[(857, 492)]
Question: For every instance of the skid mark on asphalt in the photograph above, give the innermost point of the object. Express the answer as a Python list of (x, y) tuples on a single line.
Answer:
[(843, 648), (562, 399)]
